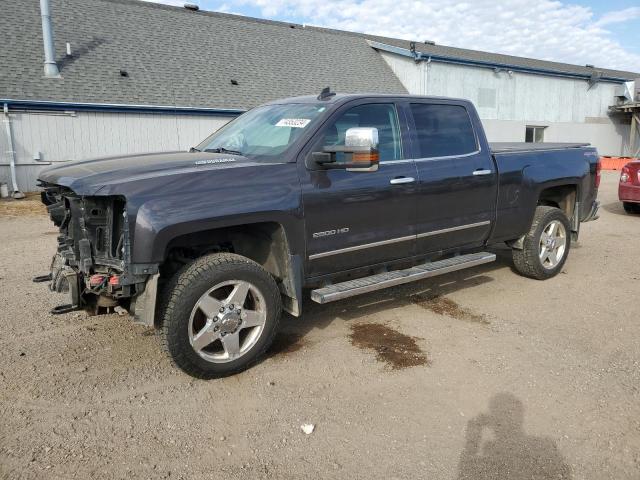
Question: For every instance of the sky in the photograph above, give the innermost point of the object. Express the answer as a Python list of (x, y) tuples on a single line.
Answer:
[(602, 33)]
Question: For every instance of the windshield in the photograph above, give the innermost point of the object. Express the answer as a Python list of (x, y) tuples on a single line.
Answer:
[(264, 133)]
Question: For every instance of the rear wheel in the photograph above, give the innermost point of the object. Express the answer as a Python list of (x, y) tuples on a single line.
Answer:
[(221, 314), (631, 207), (546, 247)]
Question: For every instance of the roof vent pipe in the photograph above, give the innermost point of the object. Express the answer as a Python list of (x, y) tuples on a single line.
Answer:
[(50, 66)]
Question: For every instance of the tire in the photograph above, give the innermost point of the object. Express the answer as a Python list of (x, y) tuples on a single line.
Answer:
[(203, 333), (535, 262), (631, 207)]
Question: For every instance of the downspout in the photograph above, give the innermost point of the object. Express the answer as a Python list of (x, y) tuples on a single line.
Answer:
[(17, 194), (50, 66)]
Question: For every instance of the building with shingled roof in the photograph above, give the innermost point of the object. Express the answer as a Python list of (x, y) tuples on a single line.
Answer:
[(139, 77)]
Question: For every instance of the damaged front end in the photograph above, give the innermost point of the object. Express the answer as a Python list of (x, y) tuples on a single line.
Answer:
[(93, 257)]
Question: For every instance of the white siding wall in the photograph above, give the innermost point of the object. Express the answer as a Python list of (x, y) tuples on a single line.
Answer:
[(62, 137), (610, 138), (507, 103)]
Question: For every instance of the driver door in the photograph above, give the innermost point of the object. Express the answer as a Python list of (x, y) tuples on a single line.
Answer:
[(360, 218)]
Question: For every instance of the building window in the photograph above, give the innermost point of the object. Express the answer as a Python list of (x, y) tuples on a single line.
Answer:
[(534, 134)]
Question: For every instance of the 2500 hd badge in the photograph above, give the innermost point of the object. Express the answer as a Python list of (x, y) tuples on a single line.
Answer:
[(328, 233)]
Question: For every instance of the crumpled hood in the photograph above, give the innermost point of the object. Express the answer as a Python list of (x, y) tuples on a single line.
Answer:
[(88, 177)]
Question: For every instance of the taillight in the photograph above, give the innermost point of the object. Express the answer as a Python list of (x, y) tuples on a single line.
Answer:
[(598, 172), (625, 177)]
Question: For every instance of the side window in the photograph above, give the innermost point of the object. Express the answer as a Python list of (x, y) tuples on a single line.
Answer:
[(534, 134), (382, 116), (443, 130)]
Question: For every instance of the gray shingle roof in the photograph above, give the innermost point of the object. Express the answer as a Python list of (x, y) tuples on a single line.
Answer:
[(179, 57)]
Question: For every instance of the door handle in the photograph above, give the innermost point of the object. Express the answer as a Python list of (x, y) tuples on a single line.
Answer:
[(482, 171), (401, 180)]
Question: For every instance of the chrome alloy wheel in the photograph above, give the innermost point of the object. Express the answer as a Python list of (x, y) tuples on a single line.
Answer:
[(553, 244), (227, 321)]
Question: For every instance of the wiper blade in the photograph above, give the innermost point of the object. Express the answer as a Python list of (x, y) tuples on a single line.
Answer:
[(223, 150), (193, 149)]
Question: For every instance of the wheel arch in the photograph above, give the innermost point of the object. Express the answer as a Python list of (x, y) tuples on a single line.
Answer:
[(266, 243), (562, 194)]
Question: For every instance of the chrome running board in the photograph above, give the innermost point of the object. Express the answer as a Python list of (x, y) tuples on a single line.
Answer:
[(358, 286)]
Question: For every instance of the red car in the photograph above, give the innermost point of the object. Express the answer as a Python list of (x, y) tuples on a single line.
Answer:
[(629, 189)]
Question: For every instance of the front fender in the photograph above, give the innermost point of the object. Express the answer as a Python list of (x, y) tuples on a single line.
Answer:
[(155, 229), (199, 201)]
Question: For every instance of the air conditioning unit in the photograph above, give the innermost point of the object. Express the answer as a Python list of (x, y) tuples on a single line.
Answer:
[(623, 93), (628, 92)]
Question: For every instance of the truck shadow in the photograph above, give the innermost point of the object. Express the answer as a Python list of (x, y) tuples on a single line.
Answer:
[(497, 447), (314, 316)]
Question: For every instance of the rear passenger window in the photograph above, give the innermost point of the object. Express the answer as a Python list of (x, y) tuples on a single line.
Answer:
[(443, 130)]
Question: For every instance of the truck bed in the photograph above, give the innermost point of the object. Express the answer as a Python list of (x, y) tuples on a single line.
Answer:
[(516, 147)]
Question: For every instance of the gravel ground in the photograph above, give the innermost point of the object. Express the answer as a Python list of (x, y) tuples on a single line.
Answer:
[(506, 378)]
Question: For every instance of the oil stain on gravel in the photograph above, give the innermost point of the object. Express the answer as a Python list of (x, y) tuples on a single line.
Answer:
[(392, 347), (445, 306)]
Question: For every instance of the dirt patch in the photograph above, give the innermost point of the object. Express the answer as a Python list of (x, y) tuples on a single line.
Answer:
[(445, 306), (285, 343), (392, 347), (29, 206)]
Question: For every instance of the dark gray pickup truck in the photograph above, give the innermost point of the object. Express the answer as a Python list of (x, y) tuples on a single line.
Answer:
[(339, 194)]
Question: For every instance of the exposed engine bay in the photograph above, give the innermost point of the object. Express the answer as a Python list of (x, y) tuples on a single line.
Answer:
[(93, 251)]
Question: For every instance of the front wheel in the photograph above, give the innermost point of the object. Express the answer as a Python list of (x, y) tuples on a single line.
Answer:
[(546, 247), (221, 314)]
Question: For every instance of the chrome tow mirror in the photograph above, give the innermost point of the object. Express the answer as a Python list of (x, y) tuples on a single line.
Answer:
[(360, 144)]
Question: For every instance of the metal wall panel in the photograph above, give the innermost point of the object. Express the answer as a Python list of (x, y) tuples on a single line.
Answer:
[(569, 109), (59, 136), (610, 138), (411, 74)]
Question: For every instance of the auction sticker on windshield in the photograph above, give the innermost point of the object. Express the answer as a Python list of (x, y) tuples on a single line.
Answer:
[(293, 122)]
